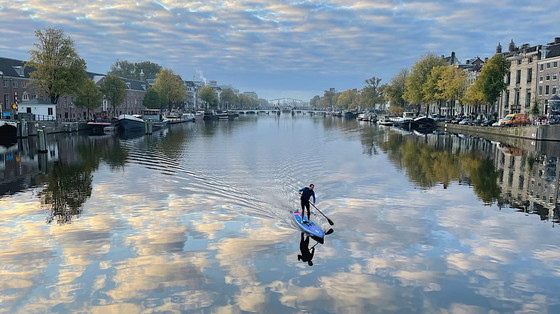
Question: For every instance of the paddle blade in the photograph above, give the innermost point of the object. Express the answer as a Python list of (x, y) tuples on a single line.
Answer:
[(329, 231)]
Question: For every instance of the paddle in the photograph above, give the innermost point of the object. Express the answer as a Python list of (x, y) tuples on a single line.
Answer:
[(330, 221)]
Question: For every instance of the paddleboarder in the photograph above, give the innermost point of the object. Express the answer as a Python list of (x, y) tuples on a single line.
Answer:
[(306, 194)]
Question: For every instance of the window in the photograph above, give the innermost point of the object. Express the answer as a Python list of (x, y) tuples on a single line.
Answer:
[(50, 111), (28, 110), (548, 77), (542, 66), (548, 65), (554, 76), (516, 100), (541, 78), (5, 83), (555, 64), (518, 78), (554, 90), (529, 75), (14, 84), (518, 61), (530, 60), (546, 89), (506, 100), (528, 99), (540, 90)]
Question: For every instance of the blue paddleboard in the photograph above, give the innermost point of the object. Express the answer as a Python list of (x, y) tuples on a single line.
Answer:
[(309, 226)]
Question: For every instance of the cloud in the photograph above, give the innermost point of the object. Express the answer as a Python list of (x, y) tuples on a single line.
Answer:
[(259, 43)]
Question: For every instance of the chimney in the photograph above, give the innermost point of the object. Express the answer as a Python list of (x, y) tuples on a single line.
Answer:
[(452, 57), (499, 48)]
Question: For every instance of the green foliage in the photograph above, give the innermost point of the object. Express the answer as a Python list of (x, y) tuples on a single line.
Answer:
[(394, 92), (414, 91), (58, 68), (247, 102), (474, 96), (152, 100), (431, 89), (228, 98), (453, 83), (535, 110), (170, 88), (348, 99), (491, 77), (315, 101), (88, 95), (208, 95), (371, 93), (114, 90), (329, 98), (134, 71)]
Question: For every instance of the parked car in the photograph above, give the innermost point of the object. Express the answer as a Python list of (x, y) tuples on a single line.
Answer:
[(488, 122), (457, 119), (465, 121), (514, 119), (477, 122)]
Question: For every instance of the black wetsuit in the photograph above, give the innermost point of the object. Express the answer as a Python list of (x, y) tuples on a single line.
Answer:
[(306, 194)]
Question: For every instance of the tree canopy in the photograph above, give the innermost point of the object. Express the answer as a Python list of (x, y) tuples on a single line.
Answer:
[(134, 71), (395, 90), (208, 95), (59, 70), (114, 90), (170, 88), (414, 91), (491, 77), (88, 95)]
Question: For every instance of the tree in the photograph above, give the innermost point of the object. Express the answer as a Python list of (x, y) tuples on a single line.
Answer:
[(491, 77), (395, 91), (431, 90), (170, 88), (134, 71), (114, 90), (371, 93), (414, 85), (453, 84), (152, 100), (347, 99), (535, 111), (208, 95), (315, 101), (228, 98), (329, 98), (474, 96), (59, 70), (88, 95)]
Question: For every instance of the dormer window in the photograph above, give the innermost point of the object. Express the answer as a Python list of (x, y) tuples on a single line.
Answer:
[(19, 70)]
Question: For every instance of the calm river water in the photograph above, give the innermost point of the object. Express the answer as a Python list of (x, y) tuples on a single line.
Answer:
[(197, 218)]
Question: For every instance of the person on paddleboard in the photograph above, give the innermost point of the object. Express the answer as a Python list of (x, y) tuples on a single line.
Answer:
[(306, 254), (306, 194)]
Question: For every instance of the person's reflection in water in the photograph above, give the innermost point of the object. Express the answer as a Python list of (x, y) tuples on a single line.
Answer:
[(306, 254)]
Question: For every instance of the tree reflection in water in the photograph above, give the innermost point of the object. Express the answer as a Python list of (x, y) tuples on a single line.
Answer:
[(429, 166), (68, 187), (69, 184)]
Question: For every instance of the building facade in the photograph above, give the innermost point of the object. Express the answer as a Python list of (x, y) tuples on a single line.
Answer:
[(521, 80), (548, 79)]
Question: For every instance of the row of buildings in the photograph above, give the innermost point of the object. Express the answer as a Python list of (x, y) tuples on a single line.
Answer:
[(533, 78), (18, 96)]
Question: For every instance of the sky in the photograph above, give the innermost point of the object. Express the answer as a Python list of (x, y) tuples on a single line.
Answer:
[(279, 49)]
